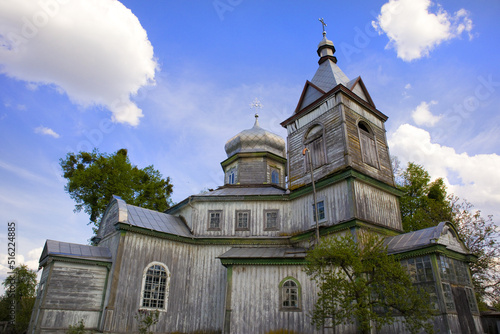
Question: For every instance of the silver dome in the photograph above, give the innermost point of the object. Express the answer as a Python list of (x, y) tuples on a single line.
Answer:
[(255, 139)]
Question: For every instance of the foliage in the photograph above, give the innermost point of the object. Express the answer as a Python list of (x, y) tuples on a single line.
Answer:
[(424, 203), (482, 238), (359, 282), (77, 329), (146, 319), (281, 331), (20, 291), (93, 177)]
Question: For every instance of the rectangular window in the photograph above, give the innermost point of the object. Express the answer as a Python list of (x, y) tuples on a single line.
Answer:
[(448, 297), (271, 220), (321, 211), (472, 299), (214, 220), (243, 220)]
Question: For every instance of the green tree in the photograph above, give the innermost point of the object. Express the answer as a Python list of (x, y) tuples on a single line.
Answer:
[(424, 203), (482, 238), (19, 297), (360, 283), (93, 177)]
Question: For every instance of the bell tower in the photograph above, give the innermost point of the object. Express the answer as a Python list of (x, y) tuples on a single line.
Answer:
[(338, 122)]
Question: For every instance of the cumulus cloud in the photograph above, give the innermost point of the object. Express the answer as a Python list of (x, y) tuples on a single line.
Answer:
[(95, 51), (414, 31), (423, 116), (474, 177), (46, 131)]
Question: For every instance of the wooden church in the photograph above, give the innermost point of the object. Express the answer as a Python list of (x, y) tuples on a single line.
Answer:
[(231, 260)]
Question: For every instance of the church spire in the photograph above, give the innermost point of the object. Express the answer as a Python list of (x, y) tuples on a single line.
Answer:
[(325, 47)]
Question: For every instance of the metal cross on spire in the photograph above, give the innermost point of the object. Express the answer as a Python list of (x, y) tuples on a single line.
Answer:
[(256, 104), (324, 24)]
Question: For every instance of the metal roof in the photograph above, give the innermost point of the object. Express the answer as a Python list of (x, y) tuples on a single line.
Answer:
[(244, 191), (256, 139), (263, 253), (156, 221), (439, 234), (328, 76), (70, 250)]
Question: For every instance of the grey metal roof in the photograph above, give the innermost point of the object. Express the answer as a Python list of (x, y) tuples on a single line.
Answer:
[(70, 250), (156, 221), (439, 234), (328, 76), (244, 191), (262, 253), (255, 139)]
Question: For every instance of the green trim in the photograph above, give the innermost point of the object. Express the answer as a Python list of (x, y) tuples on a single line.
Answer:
[(229, 293), (206, 240), (433, 249), (236, 156), (260, 261), (346, 225), (350, 173)]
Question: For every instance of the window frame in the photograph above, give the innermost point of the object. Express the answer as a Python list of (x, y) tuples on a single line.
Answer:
[(325, 216), (369, 154), (231, 176), (221, 217), (298, 287), (166, 291), (276, 228), (237, 218), (275, 171), (315, 143)]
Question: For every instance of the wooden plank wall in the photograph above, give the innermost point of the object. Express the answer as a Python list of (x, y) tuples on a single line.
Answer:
[(199, 217), (197, 286), (375, 205), (333, 138), (74, 292), (255, 296), (353, 114)]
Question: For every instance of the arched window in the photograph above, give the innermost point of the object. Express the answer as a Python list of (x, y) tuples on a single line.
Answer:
[(368, 145), (290, 294), (315, 143), (231, 176), (275, 177), (155, 286)]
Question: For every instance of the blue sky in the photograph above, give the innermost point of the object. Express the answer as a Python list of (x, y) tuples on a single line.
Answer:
[(171, 81)]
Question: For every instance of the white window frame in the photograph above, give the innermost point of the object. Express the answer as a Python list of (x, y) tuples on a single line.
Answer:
[(167, 287), (237, 220), (221, 216), (325, 209), (276, 228)]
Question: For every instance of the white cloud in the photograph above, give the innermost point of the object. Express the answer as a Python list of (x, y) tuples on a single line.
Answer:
[(96, 51), (474, 177), (408, 86), (414, 31), (423, 116), (46, 131)]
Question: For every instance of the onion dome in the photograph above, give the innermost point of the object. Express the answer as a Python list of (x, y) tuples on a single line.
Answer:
[(255, 139)]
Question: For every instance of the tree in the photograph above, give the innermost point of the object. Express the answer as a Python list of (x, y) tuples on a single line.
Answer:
[(93, 177), (359, 282), (19, 297), (424, 203), (482, 238)]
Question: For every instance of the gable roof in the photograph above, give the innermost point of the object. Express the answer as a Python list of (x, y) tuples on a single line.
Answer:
[(443, 234)]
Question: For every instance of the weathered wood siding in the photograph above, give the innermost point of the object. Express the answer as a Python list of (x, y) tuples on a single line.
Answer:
[(199, 217), (196, 291), (353, 114), (378, 206), (73, 292), (255, 300), (328, 115), (338, 207)]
